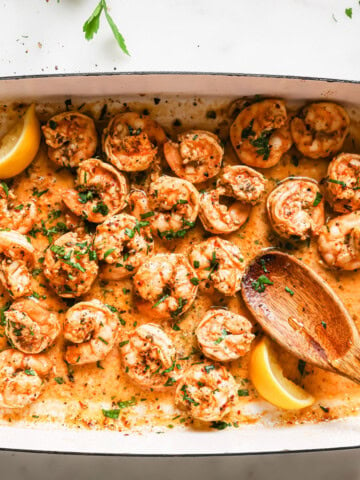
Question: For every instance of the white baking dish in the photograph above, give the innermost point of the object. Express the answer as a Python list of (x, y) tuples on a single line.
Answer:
[(245, 439)]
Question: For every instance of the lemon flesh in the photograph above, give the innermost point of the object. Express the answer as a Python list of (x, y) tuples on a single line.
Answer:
[(20, 145), (267, 377)]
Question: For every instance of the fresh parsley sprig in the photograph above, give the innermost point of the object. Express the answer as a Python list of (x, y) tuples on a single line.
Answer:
[(92, 24)]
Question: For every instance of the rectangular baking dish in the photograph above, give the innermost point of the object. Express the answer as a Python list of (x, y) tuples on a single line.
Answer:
[(247, 439)]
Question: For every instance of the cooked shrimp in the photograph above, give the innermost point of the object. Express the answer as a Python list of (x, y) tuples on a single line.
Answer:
[(30, 327), (70, 265), (343, 182), (224, 336), (101, 191), (171, 206), (319, 129), (218, 264), (21, 378), (243, 183), (217, 217), (18, 217), (123, 243), (296, 208), (17, 255), (131, 141), (71, 138), (166, 285), (196, 157), (339, 242), (93, 328), (260, 133), (148, 357), (206, 391)]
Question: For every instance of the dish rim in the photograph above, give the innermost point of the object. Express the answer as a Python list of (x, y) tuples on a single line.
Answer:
[(178, 73)]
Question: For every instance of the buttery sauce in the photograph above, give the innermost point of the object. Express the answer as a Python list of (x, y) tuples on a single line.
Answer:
[(78, 396)]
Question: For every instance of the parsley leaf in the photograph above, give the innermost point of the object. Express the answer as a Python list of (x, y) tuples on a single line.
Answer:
[(261, 283), (262, 144), (318, 199), (243, 392), (92, 24), (220, 425), (301, 367), (348, 12), (114, 414), (118, 37)]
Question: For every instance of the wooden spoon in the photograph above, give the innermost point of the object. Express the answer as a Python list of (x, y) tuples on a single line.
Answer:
[(302, 313)]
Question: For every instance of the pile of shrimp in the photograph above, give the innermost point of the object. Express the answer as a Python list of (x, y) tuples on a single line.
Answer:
[(114, 226)]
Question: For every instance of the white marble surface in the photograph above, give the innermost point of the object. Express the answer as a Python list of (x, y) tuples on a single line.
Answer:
[(293, 37)]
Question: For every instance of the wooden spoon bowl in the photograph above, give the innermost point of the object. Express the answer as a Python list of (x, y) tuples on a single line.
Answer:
[(299, 310)]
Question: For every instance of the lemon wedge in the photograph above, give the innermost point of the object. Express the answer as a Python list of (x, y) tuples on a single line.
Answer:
[(19, 146), (267, 377)]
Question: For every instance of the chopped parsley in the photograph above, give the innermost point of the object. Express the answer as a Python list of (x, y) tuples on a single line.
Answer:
[(5, 187), (348, 12), (263, 264), (170, 382), (248, 131), (324, 325), (318, 199), (162, 299), (101, 208), (59, 380), (126, 403), (114, 413), (85, 197), (301, 367), (181, 304), (262, 144), (337, 182), (194, 281), (220, 425), (243, 392), (38, 194), (147, 215), (224, 333), (187, 397), (261, 283), (108, 252), (288, 290), (2, 313)]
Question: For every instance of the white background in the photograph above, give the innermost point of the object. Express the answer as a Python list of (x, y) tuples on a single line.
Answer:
[(293, 37)]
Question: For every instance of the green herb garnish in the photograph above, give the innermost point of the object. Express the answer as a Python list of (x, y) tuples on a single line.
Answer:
[(301, 367), (318, 199), (243, 392), (288, 290), (114, 413), (337, 182), (262, 144), (261, 283), (92, 24), (220, 425)]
